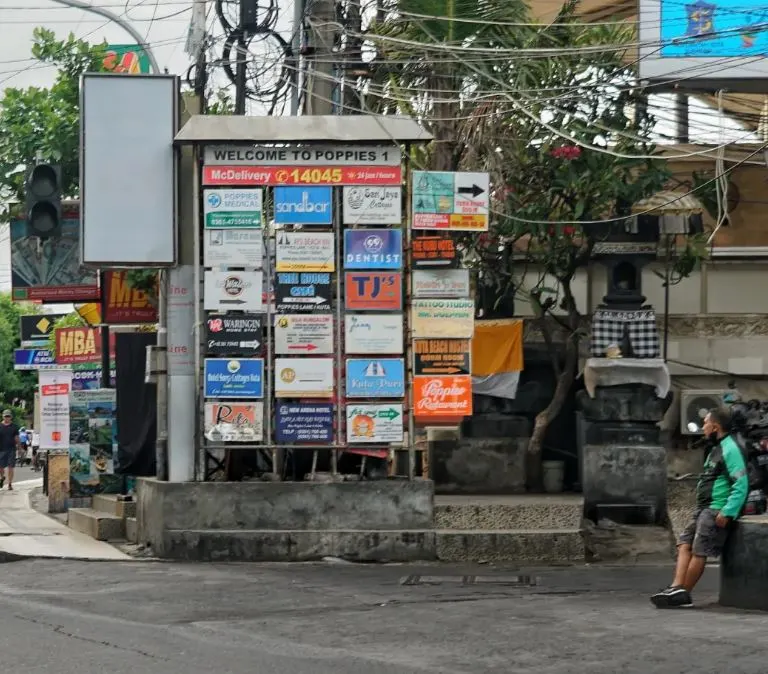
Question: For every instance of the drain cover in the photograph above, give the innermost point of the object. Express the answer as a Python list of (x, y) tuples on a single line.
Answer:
[(514, 581)]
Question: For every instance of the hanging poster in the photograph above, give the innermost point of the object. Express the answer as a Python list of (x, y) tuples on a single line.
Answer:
[(434, 252), (439, 283), (374, 423), (305, 251), (373, 291), (234, 378), (234, 422), (304, 333), (373, 205), (297, 423), (442, 396), (304, 377), (373, 249), (442, 318), (234, 291), (233, 248), (373, 334), (238, 334), (232, 208), (375, 378), (442, 356), (55, 387), (303, 293)]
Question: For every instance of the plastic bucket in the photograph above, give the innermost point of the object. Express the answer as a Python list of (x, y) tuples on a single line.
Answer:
[(553, 474)]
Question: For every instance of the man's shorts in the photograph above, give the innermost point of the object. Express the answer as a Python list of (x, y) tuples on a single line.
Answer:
[(8, 458), (703, 535)]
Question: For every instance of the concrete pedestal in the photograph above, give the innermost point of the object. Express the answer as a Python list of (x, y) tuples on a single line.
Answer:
[(744, 566)]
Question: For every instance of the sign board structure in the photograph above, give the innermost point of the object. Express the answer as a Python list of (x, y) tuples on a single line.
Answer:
[(715, 45), (129, 222), (450, 201)]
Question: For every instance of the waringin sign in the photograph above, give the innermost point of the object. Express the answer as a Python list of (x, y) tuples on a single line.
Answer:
[(233, 334)]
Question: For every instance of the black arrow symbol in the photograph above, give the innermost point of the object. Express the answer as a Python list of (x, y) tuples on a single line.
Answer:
[(231, 301), (474, 190)]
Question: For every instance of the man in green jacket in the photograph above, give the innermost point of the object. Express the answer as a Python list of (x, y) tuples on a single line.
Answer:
[(720, 497)]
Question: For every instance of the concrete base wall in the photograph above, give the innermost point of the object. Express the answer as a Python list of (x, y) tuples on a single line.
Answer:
[(744, 566), (253, 509)]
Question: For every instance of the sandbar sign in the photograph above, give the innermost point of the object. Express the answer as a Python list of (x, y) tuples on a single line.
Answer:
[(304, 422), (226, 209), (373, 206), (303, 205), (442, 356), (304, 377), (305, 251), (234, 422), (298, 334), (374, 423), (375, 378), (303, 293), (373, 334), (234, 291), (373, 291)]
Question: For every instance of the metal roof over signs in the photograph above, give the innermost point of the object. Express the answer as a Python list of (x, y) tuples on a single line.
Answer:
[(230, 129)]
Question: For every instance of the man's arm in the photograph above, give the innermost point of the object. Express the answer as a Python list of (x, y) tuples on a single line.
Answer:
[(737, 470)]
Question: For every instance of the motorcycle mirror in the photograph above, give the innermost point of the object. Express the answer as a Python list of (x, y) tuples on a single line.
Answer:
[(693, 427)]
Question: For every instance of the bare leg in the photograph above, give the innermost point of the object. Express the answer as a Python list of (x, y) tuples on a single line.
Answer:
[(10, 476), (683, 562), (695, 570)]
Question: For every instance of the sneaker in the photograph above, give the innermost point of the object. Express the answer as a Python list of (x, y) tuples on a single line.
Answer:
[(10, 487), (672, 597)]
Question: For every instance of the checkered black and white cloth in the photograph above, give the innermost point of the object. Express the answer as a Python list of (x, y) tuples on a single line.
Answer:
[(608, 326)]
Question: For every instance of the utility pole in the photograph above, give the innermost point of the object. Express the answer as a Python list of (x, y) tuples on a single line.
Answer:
[(321, 82), (296, 45)]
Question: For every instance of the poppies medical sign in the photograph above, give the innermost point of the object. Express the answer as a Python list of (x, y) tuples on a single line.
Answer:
[(226, 209), (373, 249), (373, 206)]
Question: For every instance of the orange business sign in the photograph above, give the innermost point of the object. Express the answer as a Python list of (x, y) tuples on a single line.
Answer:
[(80, 345), (373, 291), (124, 304), (442, 396)]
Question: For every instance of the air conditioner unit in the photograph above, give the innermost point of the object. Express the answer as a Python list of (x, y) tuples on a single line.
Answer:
[(695, 403)]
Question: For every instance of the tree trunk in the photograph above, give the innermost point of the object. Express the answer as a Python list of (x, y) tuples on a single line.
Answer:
[(534, 475)]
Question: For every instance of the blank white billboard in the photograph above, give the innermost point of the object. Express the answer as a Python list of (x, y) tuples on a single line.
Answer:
[(128, 170)]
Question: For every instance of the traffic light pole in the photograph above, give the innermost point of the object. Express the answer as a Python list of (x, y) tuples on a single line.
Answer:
[(106, 355)]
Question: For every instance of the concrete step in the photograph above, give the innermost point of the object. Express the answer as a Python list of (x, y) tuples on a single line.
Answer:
[(508, 512), (131, 530), (114, 505), (99, 525), (510, 545), (259, 545)]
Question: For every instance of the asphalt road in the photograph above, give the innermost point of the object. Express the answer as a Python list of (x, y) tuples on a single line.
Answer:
[(81, 617)]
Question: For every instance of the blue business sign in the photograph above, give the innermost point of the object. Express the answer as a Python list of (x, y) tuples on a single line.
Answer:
[(303, 205), (373, 249), (88, 380), (375, 378), (33, 359), (234, 378), (299, 423)]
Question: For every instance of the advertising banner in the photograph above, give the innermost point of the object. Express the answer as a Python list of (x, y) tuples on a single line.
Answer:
[(440, 283), (304, 333), (442, 356), (442, 396), (373, 206), (33, 359), (50, 271), (436, 251), (442, 318), (373, 291), (234, 378), (374, 423), (373, 334), (303, 293), (373, 249), (300, 251), (181, 321), (126, 306), (36, 329), (233, 291), (301, 175), (80, 345), (382, 378), (127, 58), (234, 422), (232, 208), (92, 442), (303, 205), (303, 423), (304, 377), (237, 334), (450, 201), (233, 248), (87, 377), (316, 155), (55, 387)]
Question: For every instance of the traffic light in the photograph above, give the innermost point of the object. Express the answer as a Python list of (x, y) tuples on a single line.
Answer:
[(44, 201)]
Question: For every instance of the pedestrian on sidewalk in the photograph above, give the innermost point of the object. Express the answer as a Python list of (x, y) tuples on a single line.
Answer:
[(720, 496), (9, 443)]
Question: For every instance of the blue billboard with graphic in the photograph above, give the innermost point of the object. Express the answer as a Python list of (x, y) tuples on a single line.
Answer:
[(33, 359), (241, 378), (303, 205), (375, 378), (373, 249)]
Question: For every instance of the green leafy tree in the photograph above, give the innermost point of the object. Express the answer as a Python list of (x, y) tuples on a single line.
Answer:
[(15, 385)]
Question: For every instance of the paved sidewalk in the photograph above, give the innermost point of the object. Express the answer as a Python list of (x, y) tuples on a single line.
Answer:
[(26, 533)]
